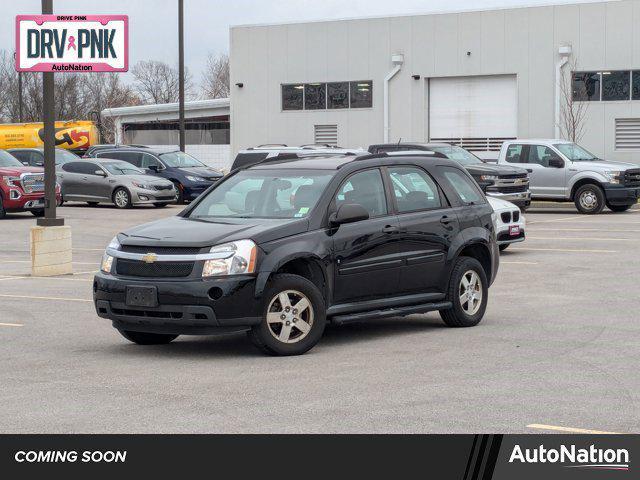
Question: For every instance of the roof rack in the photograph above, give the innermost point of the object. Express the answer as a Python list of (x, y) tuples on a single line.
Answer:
[(268, 145)]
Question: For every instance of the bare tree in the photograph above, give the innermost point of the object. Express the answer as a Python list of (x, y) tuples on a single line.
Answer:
[(215, 78), (157, 82), (573, 112)]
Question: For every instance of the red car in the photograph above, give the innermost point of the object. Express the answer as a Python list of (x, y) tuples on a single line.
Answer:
[(21, 188)]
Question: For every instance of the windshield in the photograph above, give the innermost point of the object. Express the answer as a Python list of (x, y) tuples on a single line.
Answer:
[(575, 153), (180, 160), (122, 168), (458, 154), (8, 160), (64, 156), (265, 194)]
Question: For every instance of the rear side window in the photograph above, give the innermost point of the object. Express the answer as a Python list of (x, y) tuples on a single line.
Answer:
[(514, 154), (466, 189), (134, 158), (414, 189), (72, 167)]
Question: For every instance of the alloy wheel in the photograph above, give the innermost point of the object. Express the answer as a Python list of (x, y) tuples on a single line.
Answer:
[(470, 291), (290, 316), (121, 198)]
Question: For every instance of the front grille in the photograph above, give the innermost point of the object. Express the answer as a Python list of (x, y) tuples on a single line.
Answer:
[(506, 217), (632, 178), (163, 187), (514, 189), (160, 250), (33, 183), (133, 268), (511, 176), (516, 216), (146, 313)]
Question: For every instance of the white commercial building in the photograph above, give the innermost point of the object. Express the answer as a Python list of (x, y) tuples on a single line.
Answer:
[(207, 128), (474, 78)]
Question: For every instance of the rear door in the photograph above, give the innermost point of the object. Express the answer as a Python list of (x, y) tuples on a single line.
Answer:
[(427, 227), (367, 255), (70, 178)]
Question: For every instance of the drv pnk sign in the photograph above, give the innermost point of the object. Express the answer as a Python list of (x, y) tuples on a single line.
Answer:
[(72, 43)]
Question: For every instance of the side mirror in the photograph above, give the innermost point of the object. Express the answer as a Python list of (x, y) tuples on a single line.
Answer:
[(26, 164), (556, 162), (101, 173), (348, 213), (154, 168)]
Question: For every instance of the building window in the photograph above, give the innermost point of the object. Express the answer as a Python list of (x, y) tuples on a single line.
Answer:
[(322, 96), (315, 96), (616, 85), (586, 86), (292, 97), (635, 85), (338, 95), (361, 94)]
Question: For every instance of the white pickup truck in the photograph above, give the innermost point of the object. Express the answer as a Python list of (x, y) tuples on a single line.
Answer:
[(564, 171)]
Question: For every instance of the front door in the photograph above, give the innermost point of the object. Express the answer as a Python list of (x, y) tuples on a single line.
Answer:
[(367, 256), (547, 180)]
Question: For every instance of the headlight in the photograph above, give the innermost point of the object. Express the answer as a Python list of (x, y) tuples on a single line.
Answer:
[(613, 176), (10, 181), (107, 263), (195, 179), (144, 186), (487, 178), (232, 258)]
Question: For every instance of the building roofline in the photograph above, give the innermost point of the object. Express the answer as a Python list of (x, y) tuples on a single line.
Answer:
[(166, 107), (556, 3)]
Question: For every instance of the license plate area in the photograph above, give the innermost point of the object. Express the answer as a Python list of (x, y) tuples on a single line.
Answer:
[(514, 230), (141, 296)]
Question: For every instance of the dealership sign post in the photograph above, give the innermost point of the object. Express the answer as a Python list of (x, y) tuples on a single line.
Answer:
[(63, 43)]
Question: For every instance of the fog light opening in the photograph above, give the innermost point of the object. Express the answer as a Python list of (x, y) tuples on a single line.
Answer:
[(215, 293)]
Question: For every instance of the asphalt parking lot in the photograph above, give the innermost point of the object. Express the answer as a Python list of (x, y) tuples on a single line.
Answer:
[(557, 350)]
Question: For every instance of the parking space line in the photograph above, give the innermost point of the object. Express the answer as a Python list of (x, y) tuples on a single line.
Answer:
[(64, 279), (30, 297), (570, 429), (563, 219), (11, 325), (507, 262), (595, 239), (29, 261), (573, 250), (608, 230)]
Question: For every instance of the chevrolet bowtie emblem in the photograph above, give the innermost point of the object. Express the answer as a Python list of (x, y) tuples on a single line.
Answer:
[(149, 258)]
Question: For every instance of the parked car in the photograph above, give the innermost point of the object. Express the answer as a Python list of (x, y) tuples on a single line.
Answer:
[(282, 247), (34, 157), (190, 176), (253, 155), (93, 149), (499, 181), (510, 224), (564, 171), (113, 181), (21, 187)]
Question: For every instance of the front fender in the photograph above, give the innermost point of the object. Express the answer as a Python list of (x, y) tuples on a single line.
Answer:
[(592, 175)]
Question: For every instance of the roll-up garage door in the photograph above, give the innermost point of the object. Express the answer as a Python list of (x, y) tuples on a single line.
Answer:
[(478, 112)]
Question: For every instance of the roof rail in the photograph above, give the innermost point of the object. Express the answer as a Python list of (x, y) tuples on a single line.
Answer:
[(320, 145), (268, 145)]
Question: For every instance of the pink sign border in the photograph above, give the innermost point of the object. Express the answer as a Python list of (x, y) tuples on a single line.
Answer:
[(96, 67)]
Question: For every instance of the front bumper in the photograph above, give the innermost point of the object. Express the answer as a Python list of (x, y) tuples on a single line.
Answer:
[(19, 201), (621, 195), (503, 235), (192, 191), (184, 306), (146, 197), (521, 199)]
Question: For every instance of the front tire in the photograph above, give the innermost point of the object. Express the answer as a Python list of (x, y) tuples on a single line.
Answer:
[(468, 292), (3, 212), (142, 338), (619, 208), (180, 196), (160, 205), (589, 199), (294, 316), (122, 198), (93, 204)]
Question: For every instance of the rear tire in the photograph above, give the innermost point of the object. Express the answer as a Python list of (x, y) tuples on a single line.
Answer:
[(619, 208), (92, 204), (503, 247), (589, 199), (180, 196), (468, 292), (122, 198), (285, 329), (37, 213), (160, 205), (142, 338)]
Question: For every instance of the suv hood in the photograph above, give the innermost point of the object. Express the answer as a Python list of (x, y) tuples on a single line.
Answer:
[(205, 172), (493, 169), (17, 171), (606, 165), (187, 232)]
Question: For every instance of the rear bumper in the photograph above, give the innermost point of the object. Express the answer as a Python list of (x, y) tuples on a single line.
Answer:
[(621, 195)]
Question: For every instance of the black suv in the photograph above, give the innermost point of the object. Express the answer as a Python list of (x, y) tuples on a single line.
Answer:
[(284, 246), (506, 183)]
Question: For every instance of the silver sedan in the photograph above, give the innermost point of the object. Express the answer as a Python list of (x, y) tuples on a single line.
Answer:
[(112, 181)]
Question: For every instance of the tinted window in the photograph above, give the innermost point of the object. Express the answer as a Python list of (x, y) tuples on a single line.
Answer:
[(616, 85), (362, 94), (315, 96), (292, 97), (586, 86), (514, 154), (364, 188), (465, 187), (414, 189), (72, 167), (338, 95), (23, 156), (244, 159), (134, 158), (84, 168), (635, 80), (541, 155)]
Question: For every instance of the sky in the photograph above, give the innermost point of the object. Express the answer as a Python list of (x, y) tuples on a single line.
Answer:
[(153, 23)]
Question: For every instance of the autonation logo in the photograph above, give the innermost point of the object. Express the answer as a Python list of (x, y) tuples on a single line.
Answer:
[(588, 458)]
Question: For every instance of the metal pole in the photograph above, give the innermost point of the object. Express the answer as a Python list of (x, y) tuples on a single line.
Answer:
[(181, 71), (48, 117), (20, 116)]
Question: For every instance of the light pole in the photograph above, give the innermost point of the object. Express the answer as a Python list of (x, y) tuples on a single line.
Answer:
[(48, 117), (181, 72)]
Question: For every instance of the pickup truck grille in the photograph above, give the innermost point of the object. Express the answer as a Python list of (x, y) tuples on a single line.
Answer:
[(510, 189), (32, 183), (512, 176), (632, 177), (133, 268)]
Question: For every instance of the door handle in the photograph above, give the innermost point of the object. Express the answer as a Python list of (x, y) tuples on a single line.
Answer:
[(446, 220), (390, 229)]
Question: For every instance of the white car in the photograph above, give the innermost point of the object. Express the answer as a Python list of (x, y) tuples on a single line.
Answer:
[(510, 224)]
